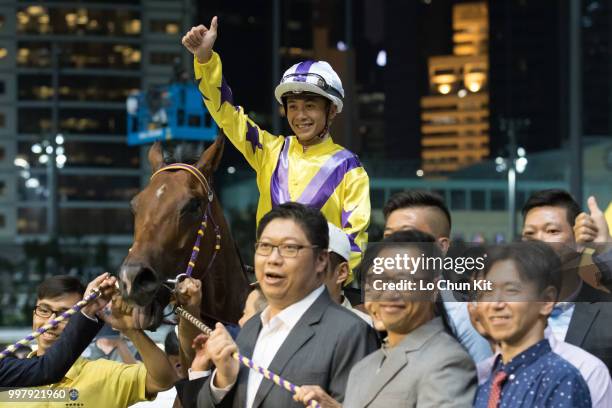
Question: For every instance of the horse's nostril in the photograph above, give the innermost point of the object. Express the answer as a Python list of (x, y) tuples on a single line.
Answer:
[(145, 281)]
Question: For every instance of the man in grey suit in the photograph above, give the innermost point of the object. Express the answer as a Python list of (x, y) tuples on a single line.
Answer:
[(302, 335), (421, 364)]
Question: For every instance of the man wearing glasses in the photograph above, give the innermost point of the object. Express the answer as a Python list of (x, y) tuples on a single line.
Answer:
[(78, 333), (98, 383), (302, 335)]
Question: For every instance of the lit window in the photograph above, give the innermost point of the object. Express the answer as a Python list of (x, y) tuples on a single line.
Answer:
[(3, 53), (165, 26), (132, 27)]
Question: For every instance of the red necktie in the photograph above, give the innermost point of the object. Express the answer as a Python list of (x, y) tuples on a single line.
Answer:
[(496, 388)]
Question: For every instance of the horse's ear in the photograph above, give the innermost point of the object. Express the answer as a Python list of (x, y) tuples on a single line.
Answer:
[(156, 157), (211, 158)]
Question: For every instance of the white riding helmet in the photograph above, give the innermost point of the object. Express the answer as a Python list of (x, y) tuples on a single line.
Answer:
[(311, 76)]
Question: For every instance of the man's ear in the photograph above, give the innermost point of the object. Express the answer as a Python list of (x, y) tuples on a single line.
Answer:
[(321, 263), (342, 273), (548, 300), (333, 111), (444, 244)]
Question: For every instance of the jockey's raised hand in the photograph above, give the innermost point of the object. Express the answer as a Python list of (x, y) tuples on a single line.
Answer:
[(200, 40)]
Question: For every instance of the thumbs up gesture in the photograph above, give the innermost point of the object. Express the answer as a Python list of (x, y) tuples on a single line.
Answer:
[(200, 40), (592, 227)]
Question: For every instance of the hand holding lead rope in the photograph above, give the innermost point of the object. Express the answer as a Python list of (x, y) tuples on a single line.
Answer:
[(100, 288), (278, 380)]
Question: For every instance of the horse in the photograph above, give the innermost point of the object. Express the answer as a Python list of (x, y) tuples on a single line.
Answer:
[(168, 216)]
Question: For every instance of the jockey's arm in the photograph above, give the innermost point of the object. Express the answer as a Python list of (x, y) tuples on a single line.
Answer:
[(356, 213), (245, 134)]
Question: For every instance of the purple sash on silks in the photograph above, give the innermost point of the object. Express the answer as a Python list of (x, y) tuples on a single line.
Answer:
[(322, 185)]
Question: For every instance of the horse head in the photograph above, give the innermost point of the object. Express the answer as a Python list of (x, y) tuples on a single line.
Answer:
[(168, 215)]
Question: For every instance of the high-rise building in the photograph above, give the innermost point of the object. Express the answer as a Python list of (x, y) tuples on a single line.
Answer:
[(597, 67), (66, 69), (455, 113), (528, 57)]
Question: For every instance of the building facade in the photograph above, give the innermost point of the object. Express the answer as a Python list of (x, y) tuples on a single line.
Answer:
[(455, 113), (66, 69)]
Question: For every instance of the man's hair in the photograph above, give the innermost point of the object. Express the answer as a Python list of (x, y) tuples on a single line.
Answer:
[(536, 262), (59, 285), (312, 222), (335, 260), (171, 344), (418, 198), (553, 198)]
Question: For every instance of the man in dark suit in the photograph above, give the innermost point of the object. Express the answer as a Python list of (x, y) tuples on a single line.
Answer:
[(303, 335), (583, 315), (53, 365)]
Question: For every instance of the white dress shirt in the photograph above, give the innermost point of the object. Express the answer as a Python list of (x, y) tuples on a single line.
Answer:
[(274, 332), (593, 370)]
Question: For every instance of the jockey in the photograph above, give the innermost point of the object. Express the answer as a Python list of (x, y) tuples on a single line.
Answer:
[(309, 167)]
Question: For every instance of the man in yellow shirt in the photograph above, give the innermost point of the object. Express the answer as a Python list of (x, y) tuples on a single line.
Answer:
[(309, 167), (97, 383)]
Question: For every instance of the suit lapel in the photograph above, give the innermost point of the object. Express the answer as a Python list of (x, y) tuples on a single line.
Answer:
[(399, 356), (299, 335), (396, 360), (581, 321), (246, 344)]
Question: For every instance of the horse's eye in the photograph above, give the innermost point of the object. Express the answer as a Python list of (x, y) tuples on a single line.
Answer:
[(191, 207)]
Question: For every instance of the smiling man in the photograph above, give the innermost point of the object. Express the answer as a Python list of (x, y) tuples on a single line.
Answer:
[(308, 167), (526, 373), (99, 383), (79, 331), (302, 335), (421, 364)]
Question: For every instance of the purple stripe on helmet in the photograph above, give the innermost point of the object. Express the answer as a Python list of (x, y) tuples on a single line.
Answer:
[(279, 185), (327, 179), (302, 68)]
